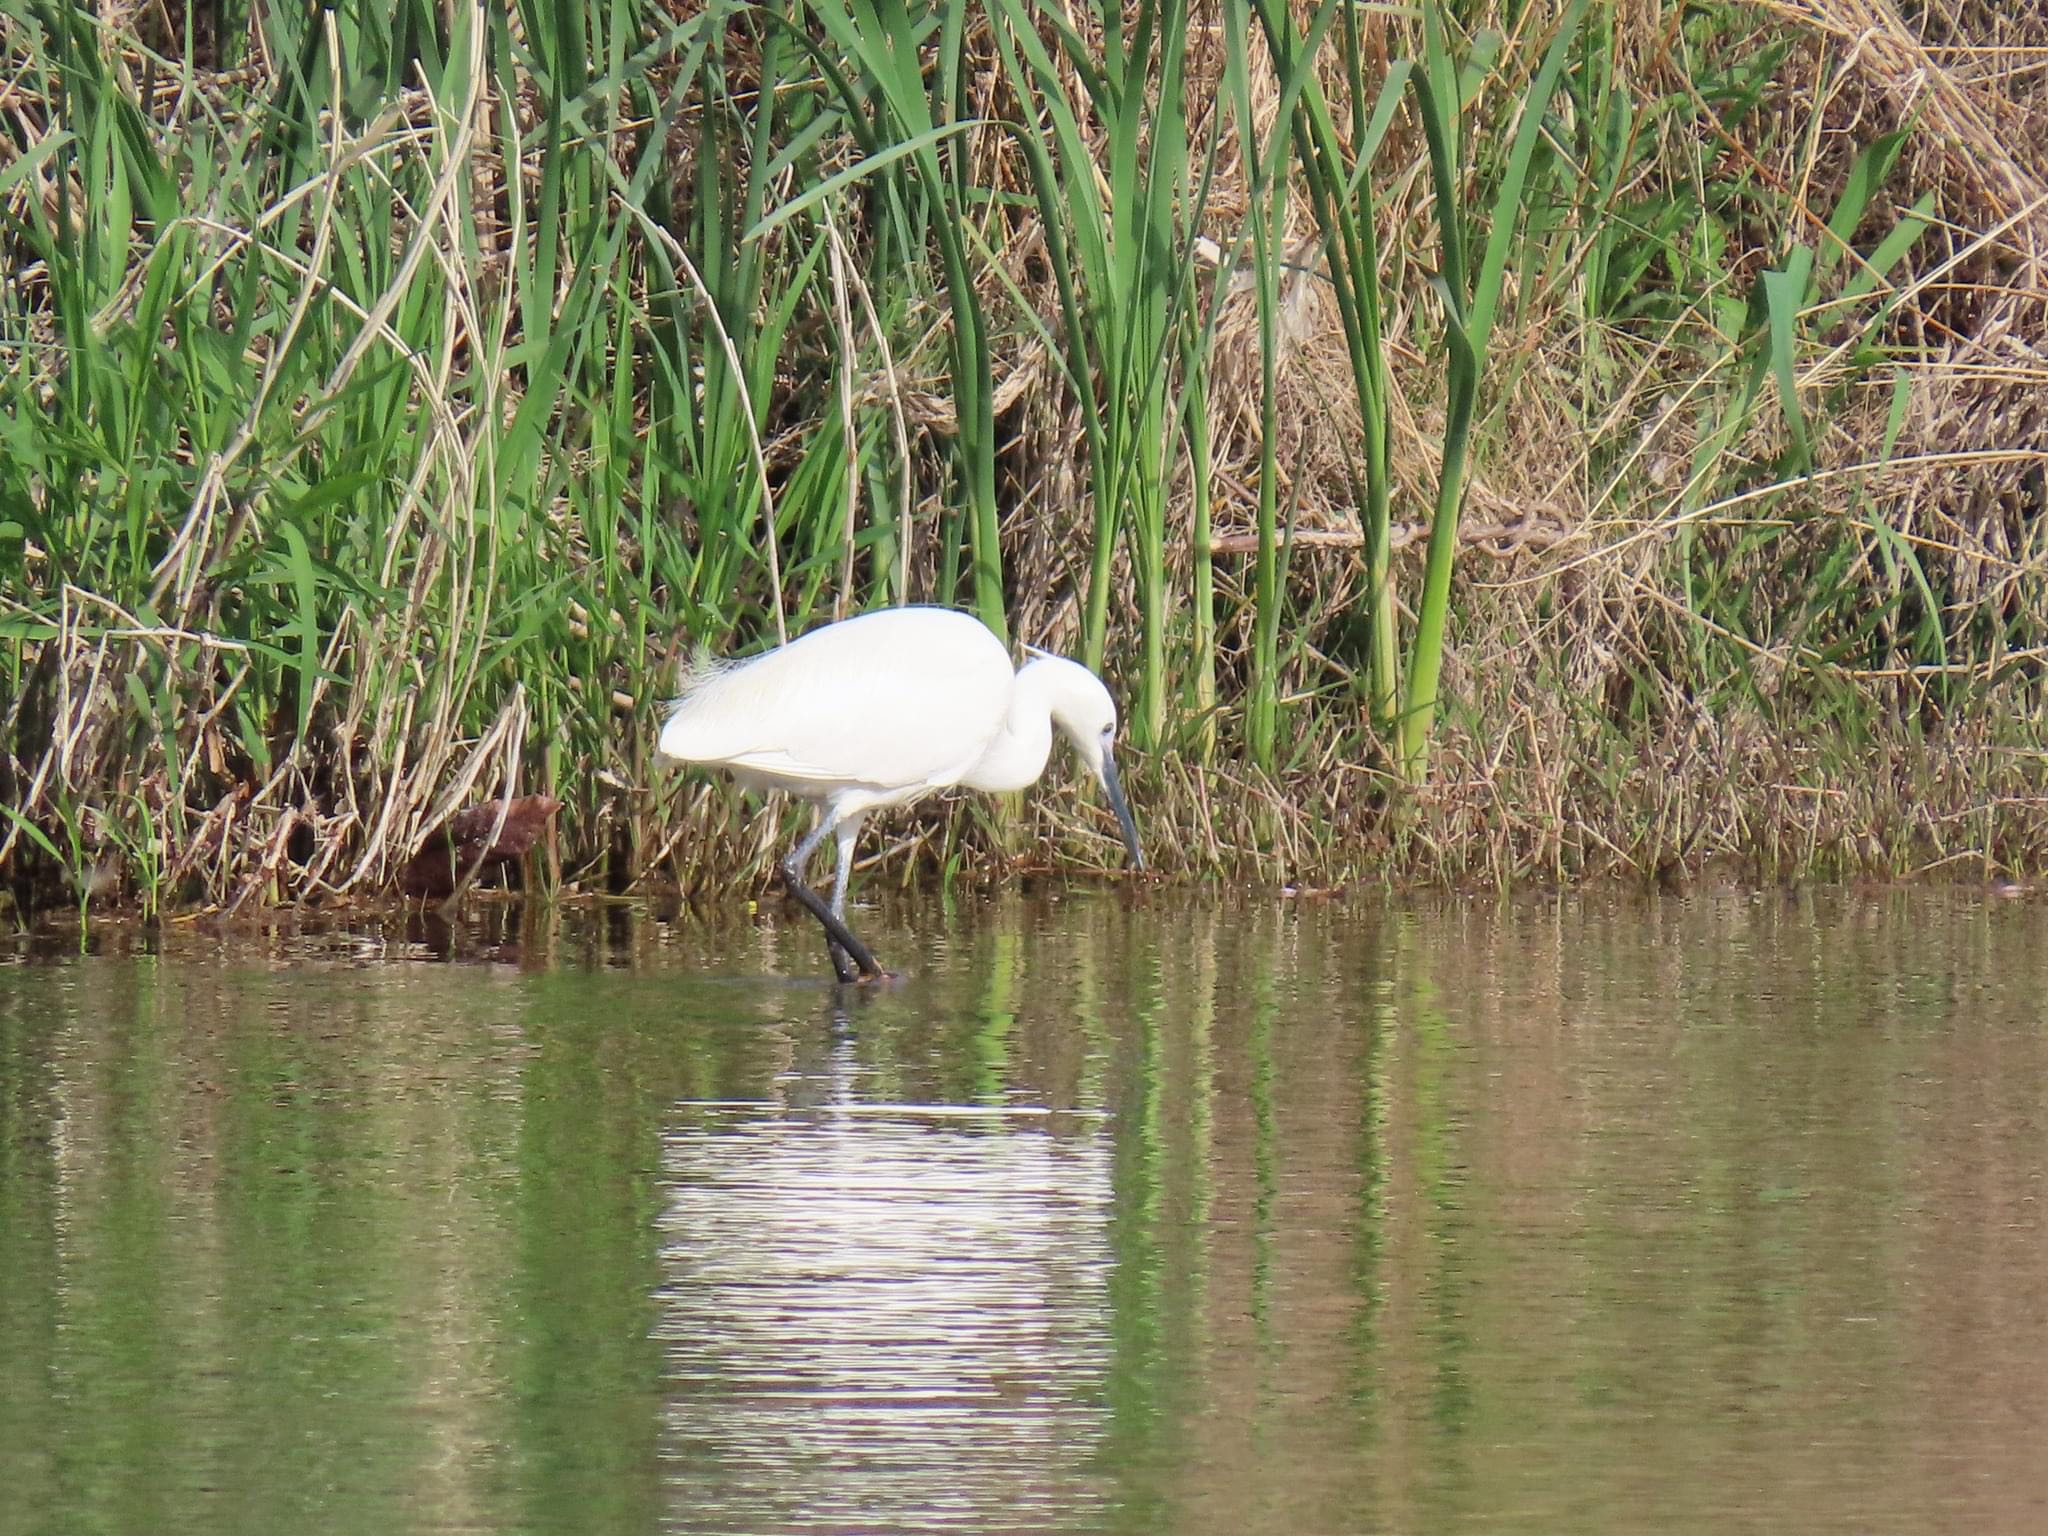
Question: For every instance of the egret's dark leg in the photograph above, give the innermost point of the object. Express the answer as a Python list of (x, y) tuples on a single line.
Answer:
[(836, 932)]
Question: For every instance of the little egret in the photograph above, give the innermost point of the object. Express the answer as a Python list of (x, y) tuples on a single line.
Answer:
[(877, 710)]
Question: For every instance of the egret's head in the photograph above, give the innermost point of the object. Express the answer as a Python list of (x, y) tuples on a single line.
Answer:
[(1086, 716)]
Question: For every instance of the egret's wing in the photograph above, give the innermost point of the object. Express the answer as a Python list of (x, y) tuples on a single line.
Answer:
[(894, 699)]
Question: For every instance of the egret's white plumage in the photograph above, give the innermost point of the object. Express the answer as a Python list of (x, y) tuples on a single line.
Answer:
[(833, 711), (877, 710)]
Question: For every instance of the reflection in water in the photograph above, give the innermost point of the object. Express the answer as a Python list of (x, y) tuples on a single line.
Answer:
[(885, 1320), (1728, 1214)]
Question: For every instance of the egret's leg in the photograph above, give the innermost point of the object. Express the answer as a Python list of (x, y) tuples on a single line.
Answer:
[(845, 834), (836, 932)]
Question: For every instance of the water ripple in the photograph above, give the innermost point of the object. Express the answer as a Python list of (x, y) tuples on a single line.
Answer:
[(891, 1320)]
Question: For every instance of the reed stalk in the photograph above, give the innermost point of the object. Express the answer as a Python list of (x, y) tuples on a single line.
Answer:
[(1468, 323)]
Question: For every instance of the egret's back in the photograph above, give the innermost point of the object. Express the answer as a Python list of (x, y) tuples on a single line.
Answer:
[(904, 698)]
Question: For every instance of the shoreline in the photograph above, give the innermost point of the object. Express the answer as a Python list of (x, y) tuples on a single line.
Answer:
[(492, 907)]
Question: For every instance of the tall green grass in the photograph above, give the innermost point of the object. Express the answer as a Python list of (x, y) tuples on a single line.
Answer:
[(1122, 247), (390, 395)]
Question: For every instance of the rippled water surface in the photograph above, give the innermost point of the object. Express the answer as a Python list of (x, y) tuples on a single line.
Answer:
[(1711, 1215)]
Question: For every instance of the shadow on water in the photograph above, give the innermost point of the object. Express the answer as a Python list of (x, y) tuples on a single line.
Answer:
[(1113, 1218)]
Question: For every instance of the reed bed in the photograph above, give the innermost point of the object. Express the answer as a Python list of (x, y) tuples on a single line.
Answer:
[(1493, 443)]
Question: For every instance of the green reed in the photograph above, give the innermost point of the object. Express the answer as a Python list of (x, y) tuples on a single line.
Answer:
[(1127, 230)]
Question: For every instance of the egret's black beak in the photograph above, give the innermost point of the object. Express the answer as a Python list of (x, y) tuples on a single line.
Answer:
[(1113, 787)]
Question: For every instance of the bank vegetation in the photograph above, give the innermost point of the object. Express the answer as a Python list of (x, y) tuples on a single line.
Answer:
[(1493, 442)]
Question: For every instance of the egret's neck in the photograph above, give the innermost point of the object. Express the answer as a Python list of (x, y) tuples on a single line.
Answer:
[(1017, 756)]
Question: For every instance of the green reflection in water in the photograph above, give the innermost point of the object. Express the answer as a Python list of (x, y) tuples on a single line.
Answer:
[(585, 1377), (29, 1206), (1138, 1280), (1247, 1219)]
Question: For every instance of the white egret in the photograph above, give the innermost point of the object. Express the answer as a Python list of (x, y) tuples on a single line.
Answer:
[(877, 710)]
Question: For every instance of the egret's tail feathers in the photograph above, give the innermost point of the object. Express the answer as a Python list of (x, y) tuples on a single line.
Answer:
[(702, 667), (693, 678)]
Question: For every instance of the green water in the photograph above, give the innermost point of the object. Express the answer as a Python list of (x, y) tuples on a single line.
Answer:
[(1719, 1215)]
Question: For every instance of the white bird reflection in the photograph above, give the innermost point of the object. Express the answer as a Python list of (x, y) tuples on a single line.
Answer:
[(884, 1317)]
